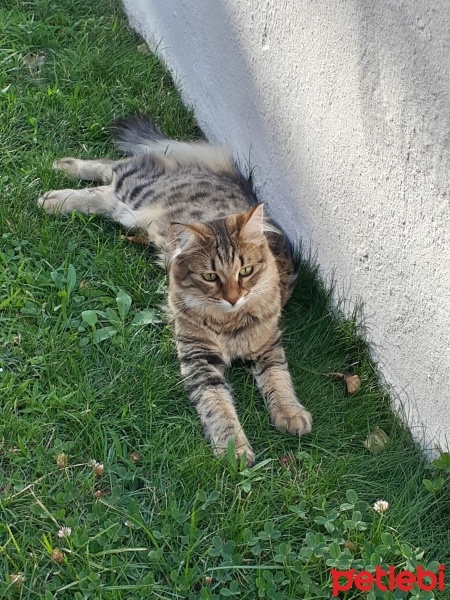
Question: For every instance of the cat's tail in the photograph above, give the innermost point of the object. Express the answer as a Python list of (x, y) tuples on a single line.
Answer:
[(140, 135)]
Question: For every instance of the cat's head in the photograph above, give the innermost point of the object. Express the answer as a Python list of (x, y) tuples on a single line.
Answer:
[(224, 265)]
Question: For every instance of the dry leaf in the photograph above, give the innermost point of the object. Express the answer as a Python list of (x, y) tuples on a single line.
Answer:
[(376, 441), (337, 376), (352, 381), (143, 49), (135, 457), (350, 546), (136, 239), (62, 460)]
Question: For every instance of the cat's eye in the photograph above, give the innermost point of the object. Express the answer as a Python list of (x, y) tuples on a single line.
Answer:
[(209, 276), (246, 271)]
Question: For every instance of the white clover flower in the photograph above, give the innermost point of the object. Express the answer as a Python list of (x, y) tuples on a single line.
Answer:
[(64, 532), (380, 506)]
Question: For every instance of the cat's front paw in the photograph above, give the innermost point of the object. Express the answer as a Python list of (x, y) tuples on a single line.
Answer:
[(292, 418), (241, 446), (249, 454)]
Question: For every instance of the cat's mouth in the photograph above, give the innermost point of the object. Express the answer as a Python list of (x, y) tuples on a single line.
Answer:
[(228, 307)]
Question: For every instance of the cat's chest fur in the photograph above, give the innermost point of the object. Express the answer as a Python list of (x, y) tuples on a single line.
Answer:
[(245, 337), (248, 342)]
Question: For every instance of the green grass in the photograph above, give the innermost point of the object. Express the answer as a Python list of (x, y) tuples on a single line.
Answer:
[(171, 521)]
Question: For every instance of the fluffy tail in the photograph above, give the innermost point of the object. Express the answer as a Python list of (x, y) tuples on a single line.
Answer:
[(140, 135), (136, 135)]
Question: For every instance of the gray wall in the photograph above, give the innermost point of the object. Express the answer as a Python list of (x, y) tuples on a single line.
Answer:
[(343, 108)]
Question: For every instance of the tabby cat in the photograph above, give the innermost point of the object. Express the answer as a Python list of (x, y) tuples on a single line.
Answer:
[(230, 267)]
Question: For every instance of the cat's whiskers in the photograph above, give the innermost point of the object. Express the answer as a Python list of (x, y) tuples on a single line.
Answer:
[(189, 301)]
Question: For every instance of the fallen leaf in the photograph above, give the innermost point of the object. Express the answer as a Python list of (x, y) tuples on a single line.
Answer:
[(62, 460), (136, 239), (337, 376), (143, 49), (376, 441), (350, 546), (352, 381), (135, 457)]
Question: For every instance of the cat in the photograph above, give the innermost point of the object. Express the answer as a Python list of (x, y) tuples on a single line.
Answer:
[(230, 267)]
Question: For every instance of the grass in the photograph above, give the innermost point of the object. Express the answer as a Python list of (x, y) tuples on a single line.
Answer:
[(89, 373)]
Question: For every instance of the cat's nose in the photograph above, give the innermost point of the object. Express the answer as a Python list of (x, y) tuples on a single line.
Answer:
[(232, 299)]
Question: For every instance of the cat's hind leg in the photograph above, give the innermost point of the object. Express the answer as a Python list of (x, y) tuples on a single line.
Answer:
[(89, 201), (100, 200), (93, 170)]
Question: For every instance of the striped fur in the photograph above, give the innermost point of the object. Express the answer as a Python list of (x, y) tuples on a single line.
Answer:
[(230, 267)]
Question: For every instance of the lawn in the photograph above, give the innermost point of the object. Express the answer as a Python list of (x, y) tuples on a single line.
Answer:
[(107, 487)]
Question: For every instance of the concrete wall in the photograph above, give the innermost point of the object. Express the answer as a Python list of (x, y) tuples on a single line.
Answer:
[(343, 107)]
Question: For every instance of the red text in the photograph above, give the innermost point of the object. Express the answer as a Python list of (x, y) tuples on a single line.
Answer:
[(387, 580)]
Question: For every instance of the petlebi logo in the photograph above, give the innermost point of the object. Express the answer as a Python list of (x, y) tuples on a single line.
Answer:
[(380, 577), (388, 580)]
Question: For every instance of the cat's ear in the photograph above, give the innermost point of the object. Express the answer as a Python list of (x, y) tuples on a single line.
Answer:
[(252, 224), (183, 236)]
